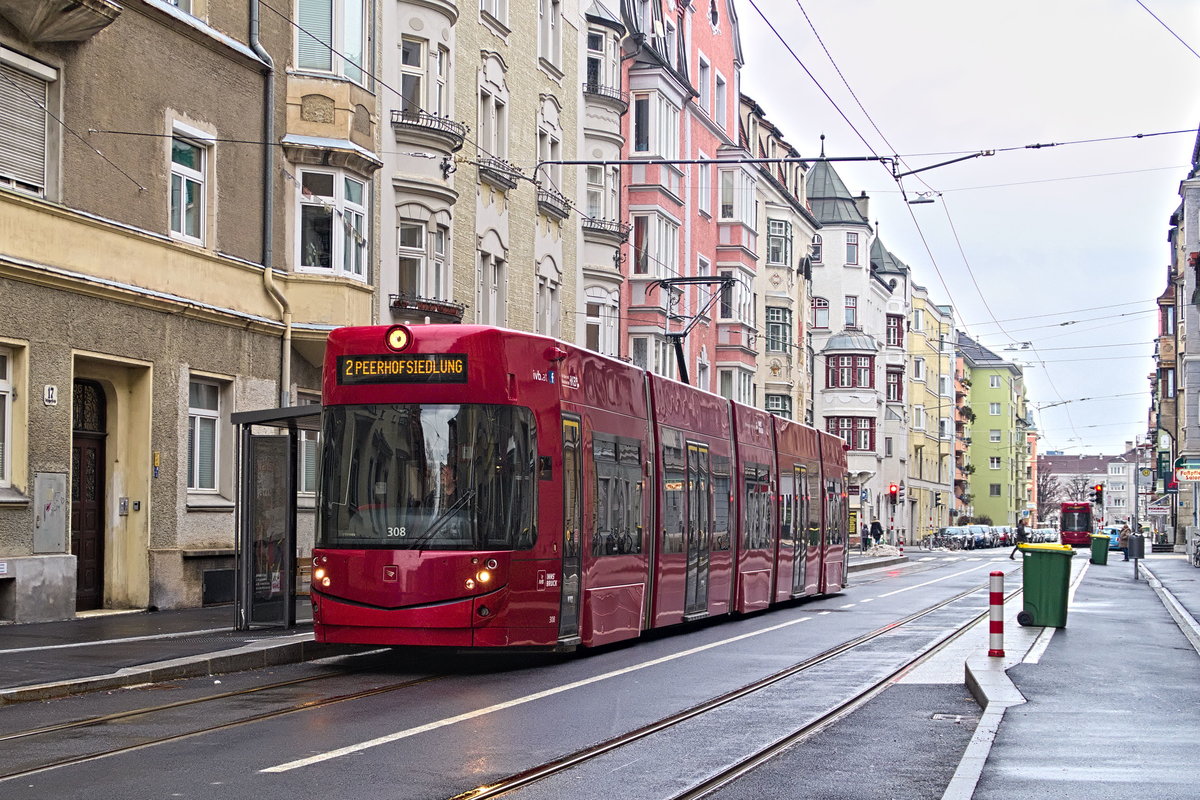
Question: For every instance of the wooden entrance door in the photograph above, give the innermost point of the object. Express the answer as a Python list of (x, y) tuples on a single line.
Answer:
[(87, 494)]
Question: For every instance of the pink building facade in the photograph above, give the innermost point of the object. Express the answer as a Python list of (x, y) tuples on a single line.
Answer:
[(693, 225)]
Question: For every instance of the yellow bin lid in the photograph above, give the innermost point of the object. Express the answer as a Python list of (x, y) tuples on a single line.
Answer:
[(1057, 548)]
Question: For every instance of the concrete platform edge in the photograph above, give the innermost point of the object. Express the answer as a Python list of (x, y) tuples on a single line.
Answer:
[(1185, 621)]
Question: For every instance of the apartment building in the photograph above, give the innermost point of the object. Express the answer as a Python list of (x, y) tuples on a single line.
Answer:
[(165, 263), (998, 448)]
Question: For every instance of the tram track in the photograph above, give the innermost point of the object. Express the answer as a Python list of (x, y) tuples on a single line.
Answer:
[(749, 762), (100, 721)]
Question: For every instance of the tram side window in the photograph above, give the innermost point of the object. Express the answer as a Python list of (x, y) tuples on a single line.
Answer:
[(721, 538), (836, 511), (617, 528), (674, 479), (757, 508), (786, 504), (808, 513)]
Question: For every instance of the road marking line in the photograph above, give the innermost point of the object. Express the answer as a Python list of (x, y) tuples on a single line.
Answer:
[(529, 698)]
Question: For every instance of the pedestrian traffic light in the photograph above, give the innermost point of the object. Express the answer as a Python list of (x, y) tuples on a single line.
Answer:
[(893, 493)]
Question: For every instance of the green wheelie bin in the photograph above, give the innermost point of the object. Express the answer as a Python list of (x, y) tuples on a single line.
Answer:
[(1100, 542), (1046, 576)]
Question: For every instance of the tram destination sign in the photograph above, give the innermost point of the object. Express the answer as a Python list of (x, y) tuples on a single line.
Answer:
[(402, 368)]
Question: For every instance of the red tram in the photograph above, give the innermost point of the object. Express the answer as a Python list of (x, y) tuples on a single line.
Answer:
[(1075, 524), (488, 488)]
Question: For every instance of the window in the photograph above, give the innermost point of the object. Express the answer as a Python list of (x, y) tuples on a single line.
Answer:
[(851, 311), (412, 75), (736, 385), (719, 103), (1166, 377), (655, 246), (945, 429), (994, 489), (492, 290), (737, 195), (550, 30), (994, 462), (603, 56), (25, 91), (849, 372), (944, 385), (204, 413), (653, 353), (887, 446), (895, 386), (655, 125), (493, 124), (187, 190), (704, 186), (918, 319), (1166, 318), (857, 432), (704, 83), (816, 248), (994, 381), (600, 325), (994, 409), (737, 298), (779, 330), (993, 435), (496, 9), (780, 405), (441, 95), (333, 223), (1116, 469), (851, 248), (6, 415), (547, 304), (332, 37), (820, 312), (895, 330), (421, 259), (918, 418), (550, 149), (779, 242), (918, 369)]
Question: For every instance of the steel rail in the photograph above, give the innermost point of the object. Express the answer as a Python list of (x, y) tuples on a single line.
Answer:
[(527, 777)]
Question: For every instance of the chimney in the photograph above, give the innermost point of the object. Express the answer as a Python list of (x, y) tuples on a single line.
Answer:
[(862, 202), (1128, 446)]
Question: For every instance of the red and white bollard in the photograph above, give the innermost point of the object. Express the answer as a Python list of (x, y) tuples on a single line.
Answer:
[(996, 615)]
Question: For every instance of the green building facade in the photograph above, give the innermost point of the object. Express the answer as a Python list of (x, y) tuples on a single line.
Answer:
[(998, 447)]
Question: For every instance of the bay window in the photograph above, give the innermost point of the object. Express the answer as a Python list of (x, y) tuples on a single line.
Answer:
[(333, 233)]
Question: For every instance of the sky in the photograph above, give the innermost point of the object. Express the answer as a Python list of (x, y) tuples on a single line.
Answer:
[(1058, 253)]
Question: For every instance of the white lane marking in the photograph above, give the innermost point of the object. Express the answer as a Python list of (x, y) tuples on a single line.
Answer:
[(823, 613), (529, 698), (935, 580), (848, 605), (867, 600)]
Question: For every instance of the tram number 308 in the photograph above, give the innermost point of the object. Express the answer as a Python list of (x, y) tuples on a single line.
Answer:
[(397, 531)]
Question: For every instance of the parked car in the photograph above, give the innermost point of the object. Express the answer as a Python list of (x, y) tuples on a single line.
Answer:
[(981, 534), (956, 537), (1114, 536)]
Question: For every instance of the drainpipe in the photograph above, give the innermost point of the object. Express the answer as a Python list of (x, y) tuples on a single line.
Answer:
[(268, 205)]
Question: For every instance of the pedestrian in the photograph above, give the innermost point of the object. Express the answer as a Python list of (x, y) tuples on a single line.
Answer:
[(876, 531), (1022, 537), (1123, 541), (865, 537)]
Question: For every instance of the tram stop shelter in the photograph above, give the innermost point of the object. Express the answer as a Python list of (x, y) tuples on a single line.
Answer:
[(269, 571)]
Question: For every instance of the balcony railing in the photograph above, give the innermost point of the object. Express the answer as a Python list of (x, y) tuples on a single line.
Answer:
[(498, 172), (453, 133), (612, 93), (413, 305), (553, 203), (611, 228)]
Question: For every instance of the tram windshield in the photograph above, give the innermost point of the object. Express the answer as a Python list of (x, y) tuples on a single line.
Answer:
[(1074, 521), (427, 477)]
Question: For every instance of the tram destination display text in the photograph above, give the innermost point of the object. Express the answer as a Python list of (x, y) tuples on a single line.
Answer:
[(402, 368)]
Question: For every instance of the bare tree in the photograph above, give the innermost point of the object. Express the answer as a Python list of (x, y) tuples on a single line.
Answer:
[(1049, 493), (1077, 488)]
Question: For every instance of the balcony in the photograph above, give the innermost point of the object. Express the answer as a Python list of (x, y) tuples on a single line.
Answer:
[(408, 124), (42, 21), (553, 204), (499, 173), (607, 230), (612, 96), (412, 308)]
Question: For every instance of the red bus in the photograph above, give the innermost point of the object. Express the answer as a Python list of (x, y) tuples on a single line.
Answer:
[(1075, 524), (488, 488)]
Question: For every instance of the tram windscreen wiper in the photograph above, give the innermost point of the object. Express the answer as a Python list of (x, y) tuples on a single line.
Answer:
[(450, 512)]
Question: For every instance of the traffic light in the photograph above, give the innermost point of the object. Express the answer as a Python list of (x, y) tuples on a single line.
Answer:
[(893, 493), (1097, 494)]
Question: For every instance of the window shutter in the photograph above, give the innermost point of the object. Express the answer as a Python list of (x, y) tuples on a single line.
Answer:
[(23, 128)]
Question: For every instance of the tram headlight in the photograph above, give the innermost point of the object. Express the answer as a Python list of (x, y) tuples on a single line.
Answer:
[(325, 582), (483, 576), (470, 583), (318, 573)]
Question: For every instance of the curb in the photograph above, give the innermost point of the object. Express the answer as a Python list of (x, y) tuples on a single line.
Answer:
[(266, 653), (881, 562), (1187, 624)]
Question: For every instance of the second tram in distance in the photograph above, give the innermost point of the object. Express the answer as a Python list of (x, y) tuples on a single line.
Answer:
[(482, 487)]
